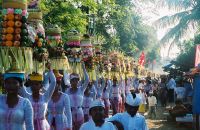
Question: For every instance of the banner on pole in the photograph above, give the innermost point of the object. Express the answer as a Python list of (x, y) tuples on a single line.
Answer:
[(142, 59), (197, 56)]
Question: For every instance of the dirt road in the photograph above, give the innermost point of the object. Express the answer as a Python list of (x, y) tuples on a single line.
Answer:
[(161, 123)]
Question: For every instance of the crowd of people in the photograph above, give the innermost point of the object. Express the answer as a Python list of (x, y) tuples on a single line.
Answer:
[(61, 101), (84, 87)]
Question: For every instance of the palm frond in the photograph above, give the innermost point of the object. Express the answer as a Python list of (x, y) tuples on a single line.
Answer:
[(166, 21), (181, 30), (174, 42), (178, 4)]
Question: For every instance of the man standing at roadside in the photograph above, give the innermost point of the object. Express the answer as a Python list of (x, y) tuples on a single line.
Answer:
[(171, 85)]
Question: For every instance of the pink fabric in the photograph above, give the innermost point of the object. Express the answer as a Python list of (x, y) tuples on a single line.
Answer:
[(116, 99), (39, 123), (76, 102), (10, 11), (122, 105), (116, 105), (73, 43), (107, 107)]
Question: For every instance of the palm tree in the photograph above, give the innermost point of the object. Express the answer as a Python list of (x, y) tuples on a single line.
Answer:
[(183, 22)]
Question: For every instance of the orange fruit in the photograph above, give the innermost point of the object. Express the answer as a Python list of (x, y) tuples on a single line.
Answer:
[(9, 43), (10, 30), (36, 37), (9, 37), (10, 16), (39, 44), (11, 23)]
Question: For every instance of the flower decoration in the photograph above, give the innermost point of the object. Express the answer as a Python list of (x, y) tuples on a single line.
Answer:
[(4, 11), (18, 11), (10, 11)]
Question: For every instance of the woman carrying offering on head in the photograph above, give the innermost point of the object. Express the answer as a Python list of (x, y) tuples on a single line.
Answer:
[(40, 100), (15, 111), (59, 110), (76, 94)]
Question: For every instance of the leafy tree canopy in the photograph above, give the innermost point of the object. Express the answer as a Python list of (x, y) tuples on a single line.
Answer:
[(116, 24)]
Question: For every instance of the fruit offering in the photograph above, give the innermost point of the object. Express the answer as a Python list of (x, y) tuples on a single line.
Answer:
[(73, 49), (14, 27)]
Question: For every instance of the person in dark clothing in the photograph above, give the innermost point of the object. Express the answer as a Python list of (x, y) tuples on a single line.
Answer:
[(171, 85), (163, 97), (179, 110)]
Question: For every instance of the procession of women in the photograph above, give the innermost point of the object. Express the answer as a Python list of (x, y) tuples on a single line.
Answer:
[(53, 84)]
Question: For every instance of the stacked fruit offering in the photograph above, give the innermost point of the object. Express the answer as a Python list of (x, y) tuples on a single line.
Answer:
[(87, 51), (14, 47), (14, 29), (115, 59), (55, 48), (73, 46), (88, 56), (129, 69), (73, 50), (37, 36), (53, 35)]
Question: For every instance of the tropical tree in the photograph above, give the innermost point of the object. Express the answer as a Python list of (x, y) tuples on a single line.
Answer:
[(65, 14), (183, 22), (116, 23), (186, 59)]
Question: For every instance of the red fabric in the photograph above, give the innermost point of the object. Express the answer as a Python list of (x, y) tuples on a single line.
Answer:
[(197, 56), (58, 78), (142, 59)]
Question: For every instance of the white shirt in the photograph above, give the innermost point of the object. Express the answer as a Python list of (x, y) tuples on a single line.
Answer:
[(90, 125), (152, 100), (171, 84), (66, 78), (143, 97), (180, 91), (130, 123), (115, 91)]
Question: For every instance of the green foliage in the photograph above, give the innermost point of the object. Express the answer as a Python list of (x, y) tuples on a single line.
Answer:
[(65, 14), (186, 59), (116, 23)]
